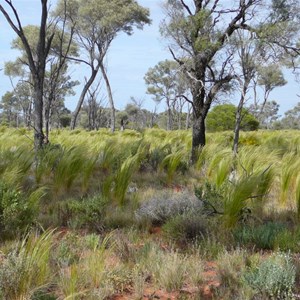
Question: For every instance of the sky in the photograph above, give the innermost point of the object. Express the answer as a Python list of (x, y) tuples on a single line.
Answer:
[(128, 60)]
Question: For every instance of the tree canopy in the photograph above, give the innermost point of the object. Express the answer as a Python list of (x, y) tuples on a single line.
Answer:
[(222, 117)]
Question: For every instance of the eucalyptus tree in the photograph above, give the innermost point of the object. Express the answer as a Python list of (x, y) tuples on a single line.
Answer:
[(270, 77), (248, 55), (9, 109), (36, 59), (22, 90), (43, 49), (165, 83), (96, 24), (291, 119), (57, 84), (201, 32), (266, 116)]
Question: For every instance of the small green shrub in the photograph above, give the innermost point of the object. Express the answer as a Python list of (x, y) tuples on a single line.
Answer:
[(262, 237), (186, 227), (119, 217), (288, 240), (84, 213), (209, 248), (68, 250), (274, 278), (17, 211)]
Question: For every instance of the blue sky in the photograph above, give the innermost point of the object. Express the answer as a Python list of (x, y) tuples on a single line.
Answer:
[(128, 59)]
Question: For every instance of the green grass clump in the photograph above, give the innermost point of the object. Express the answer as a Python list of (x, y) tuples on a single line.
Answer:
[(261, 237), (186, 227), (26, 268), (274, 278), (231, 267)]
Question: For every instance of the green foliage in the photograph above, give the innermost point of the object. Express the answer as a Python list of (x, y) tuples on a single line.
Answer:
[(231, 267), (84, 213), (123, 177), (262, 236), (26, 269), (18, 211), (173, 272), (222, 117), (274, 278), (173, 162), (239, 194), (186, 227)]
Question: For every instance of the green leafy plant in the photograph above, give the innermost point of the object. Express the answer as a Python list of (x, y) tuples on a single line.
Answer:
[(274, 278), (18, 211), (186, 227)]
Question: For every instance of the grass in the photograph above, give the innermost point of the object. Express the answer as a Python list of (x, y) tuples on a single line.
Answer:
[(138, 190), (26, 268)]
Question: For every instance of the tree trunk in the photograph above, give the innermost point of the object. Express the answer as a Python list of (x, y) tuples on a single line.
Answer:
[(110, 98), (47, 120), (238, 120), (198, 137), (239, 116), (187, 121), (82, 96), (38, 114)]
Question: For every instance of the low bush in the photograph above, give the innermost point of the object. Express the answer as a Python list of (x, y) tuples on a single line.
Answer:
[(274, 278), (17, 211), (161, 208), (262, 237), (84, 213), (185, 227)]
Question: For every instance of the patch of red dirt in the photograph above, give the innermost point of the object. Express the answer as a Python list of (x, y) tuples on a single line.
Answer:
[(211, 280), (155, 230)]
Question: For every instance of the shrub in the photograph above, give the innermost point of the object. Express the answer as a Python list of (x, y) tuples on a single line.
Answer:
[(85, 212), (274, 278), (288, 240), (263, 236), (158, 210), (187, 226), (17, 211), (231, 267), (172, 272), (26, 269)]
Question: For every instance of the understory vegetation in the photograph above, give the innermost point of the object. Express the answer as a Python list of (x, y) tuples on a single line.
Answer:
[(98, 214)]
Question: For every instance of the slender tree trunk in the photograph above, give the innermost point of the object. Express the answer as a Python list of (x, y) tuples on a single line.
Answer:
[(188, 115), (39, 136), (110, 98), (28, 116), (82, 96), (179, 116), (169, 121), (239, 116), (47, 120)]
